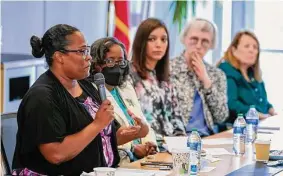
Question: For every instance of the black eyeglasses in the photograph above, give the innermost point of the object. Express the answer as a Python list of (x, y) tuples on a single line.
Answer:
[(83, 52), (111, 63)]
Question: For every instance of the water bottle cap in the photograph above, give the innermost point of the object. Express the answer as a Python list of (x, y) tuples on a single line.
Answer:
[(252, 106), (194, 129), (240, 114)]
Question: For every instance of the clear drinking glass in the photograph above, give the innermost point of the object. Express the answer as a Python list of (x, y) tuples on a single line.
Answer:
[(181, 161), (262, 148)]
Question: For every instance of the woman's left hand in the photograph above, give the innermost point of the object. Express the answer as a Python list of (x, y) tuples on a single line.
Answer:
[(141, 123), (129, 132)]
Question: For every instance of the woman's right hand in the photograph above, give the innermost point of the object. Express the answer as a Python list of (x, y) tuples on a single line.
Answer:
[(272, 112), (152, 148), (126, 134), (140, 150), (105, 114)]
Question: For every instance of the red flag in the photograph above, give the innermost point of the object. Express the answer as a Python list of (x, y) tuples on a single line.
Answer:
[(122, 22)]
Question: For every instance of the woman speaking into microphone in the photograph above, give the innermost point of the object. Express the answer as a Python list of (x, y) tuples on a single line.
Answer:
[(63, 126)]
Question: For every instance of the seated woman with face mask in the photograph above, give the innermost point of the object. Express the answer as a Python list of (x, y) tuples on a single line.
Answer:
[(133, 135)]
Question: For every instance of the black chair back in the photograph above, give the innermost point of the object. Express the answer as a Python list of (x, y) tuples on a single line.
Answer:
[(5, 164), (9, 128)]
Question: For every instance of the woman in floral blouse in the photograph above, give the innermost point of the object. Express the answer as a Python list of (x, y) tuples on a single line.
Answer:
[(150, 76)]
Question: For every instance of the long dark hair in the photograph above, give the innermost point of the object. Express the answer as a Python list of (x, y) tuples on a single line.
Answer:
[(139, 50)]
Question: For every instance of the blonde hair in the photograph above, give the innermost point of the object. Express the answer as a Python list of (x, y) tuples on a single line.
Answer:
[(204, 26), (230, 58)]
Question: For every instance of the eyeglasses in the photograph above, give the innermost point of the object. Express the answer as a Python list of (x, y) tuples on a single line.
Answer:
[(204, 42), (83, 52), (111, 63)]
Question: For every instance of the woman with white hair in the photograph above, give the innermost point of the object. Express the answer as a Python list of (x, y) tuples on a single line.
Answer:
[(201, 87)]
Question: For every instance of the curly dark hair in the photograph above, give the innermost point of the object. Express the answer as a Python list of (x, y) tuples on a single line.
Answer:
[(98, 52)]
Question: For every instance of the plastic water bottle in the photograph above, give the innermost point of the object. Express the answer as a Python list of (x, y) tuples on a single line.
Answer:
[(239, 135), (252, 124), (195, 145)]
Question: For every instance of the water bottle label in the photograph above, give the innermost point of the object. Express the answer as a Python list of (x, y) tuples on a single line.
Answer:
[(252, 121), (239, 139), (195, 146), (239, 130), (194, 168)]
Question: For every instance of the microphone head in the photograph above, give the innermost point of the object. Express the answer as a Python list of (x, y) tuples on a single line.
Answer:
[(99, 79)]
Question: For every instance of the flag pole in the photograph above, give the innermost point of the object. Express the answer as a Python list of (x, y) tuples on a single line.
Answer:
[(108, 16)]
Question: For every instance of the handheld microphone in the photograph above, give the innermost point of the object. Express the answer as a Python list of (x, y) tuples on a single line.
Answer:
[(99, 81)]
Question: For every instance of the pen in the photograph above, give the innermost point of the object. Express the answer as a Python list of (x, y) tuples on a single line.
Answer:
[(156, 164), (265, 132), (160, 167)]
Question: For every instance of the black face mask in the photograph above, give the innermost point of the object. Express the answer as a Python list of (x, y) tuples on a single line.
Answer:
[(113, 75)]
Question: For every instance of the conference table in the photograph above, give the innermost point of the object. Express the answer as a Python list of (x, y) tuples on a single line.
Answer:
[(230, 163)]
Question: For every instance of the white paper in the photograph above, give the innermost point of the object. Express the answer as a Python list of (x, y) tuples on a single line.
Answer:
[(140, 172), (264, 136), (272, 123), (134, 172), (211, 158), (276, 141), (217, 151), (176, 142), (217, 141), (207, 169), (87, 174)]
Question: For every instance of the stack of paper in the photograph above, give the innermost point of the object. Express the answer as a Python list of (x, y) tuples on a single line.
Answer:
[(217, 151), (134, 172), (207, 169), (176, 142), (218, 141)]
